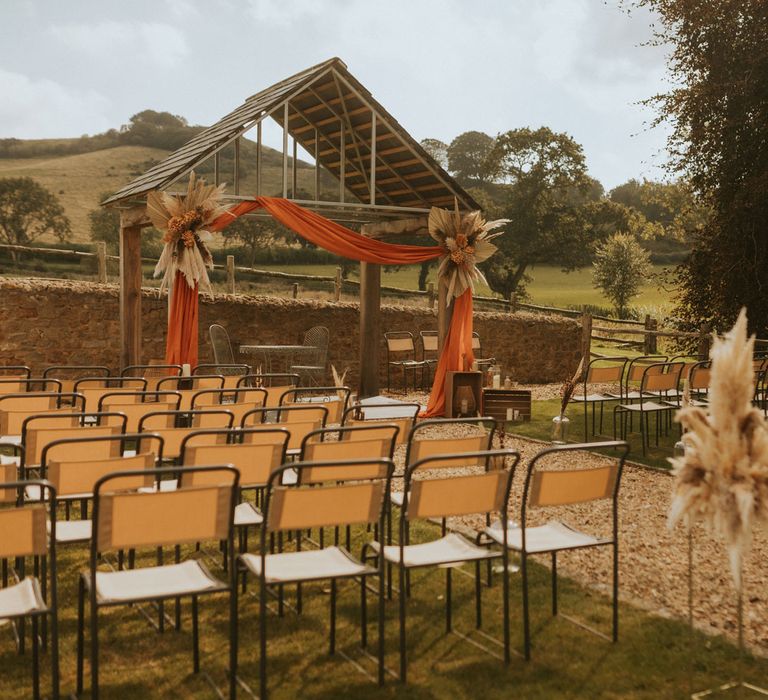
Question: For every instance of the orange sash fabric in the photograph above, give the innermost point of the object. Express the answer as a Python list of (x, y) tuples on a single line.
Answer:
[(330, 235), (181, 346), (457, 353), (182, 325)]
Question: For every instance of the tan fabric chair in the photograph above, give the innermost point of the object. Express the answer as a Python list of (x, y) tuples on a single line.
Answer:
[(135, 405), (23, 534), (310, 505), (16, 408), (299, 421), (334, 398), (147, 520), (170, 425), (401, 353), (153, 373), (556, 488), (600, 371), (403, 415), (429, 493)]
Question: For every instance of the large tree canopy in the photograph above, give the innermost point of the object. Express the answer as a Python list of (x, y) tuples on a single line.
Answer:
[(28, 211), (554, 208), (468, 157), (719, 142)]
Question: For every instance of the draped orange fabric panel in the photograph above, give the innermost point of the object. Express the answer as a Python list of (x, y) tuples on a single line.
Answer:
[(181, 347), (330, 235), (182, 325), (457, 353)]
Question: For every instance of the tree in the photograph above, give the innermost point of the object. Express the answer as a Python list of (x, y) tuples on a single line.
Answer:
[(468, 157), (620, 268), (553, 206), (719, 110), (253, 234), (438, 150), (28, 211)]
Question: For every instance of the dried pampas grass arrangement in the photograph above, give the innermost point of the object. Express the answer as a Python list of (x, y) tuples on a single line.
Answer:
[(183, 220), (722, 479), (467, 242)]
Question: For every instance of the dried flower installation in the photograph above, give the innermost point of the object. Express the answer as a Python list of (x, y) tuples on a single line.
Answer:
[(569, 386), (722, 479), (183, 220), (467, 240)]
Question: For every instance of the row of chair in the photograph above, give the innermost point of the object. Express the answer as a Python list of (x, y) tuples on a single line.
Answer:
[(401, 354), (133, 509)]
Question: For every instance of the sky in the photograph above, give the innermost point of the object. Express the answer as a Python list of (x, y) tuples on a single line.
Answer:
[(441, 67)]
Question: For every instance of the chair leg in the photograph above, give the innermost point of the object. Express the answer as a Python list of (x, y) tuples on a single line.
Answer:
[(448, 591), (478, 597), (332, 640), (401, 602), (94, 649), (195, 637), (262, 638), (615, 592), (233, 632), (80, 633), (526, 620), (381, 624), (35, 659), (554, 583), (505, 602), (363, 614)]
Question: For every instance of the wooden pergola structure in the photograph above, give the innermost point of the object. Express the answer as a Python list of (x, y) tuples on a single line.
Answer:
[(386, 181)]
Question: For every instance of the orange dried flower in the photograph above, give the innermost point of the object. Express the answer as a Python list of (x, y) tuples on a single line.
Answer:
[(458, 257), (461, 240)]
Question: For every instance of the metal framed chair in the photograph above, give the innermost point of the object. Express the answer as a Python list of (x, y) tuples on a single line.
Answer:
[(400, 345), (237, 401), (429, 354), (334, 494), (552, 489), (221, 346), (477, 349), (146, 520), (334, 398), (660, 382), (174, 426), (430, 494), (297, 420), (314, 372), (274, 383), (68, 375), (370, 415), (601, 370), (23, 534), (152, 372)]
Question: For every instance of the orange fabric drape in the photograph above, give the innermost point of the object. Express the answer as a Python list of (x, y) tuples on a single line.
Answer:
[(457, 353), (181, 347), (330, 235)]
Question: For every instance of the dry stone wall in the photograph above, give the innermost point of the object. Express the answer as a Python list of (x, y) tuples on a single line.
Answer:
[(45, 323)]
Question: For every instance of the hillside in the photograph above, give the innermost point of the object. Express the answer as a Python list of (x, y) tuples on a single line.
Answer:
[(79, 180)]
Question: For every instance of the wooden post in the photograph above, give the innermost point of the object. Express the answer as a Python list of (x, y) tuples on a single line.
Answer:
[(654, 339), (443, 313), (431, 295), (586, 337), (230, 274), (337, 285), (704, 340), (513, 303), (370, 329), (295, 290), (101, 256), (647, 338), (130, 295)]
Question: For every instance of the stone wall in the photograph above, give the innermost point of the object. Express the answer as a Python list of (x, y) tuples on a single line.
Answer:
[(45, 323)]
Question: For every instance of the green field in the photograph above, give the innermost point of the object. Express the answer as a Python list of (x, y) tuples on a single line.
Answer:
[(550, 287)]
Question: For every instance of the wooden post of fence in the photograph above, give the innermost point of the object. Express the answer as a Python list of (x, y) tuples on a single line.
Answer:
[(647, 338), (337, 285), (586, 336), (431, 295), (513, 303), (704, 341), (101, 256), (230, 274), (653, 339), (295, 290)]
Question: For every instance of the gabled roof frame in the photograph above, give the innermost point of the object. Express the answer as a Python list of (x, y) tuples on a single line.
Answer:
[(412, 185)]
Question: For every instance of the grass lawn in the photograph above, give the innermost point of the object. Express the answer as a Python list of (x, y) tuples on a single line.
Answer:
[(655, 657)]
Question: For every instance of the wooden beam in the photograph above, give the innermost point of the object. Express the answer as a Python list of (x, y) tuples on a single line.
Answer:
[(130, 295), (135, 216), (370, 329), (380, 229)]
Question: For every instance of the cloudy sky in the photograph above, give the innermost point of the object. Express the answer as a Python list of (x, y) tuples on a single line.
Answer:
[(441, 67)]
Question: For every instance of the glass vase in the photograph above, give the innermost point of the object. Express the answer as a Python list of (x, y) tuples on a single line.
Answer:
[(560, 429)]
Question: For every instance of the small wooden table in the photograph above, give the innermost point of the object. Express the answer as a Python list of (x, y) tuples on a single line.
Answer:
[(497, 401), (456, 380)]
